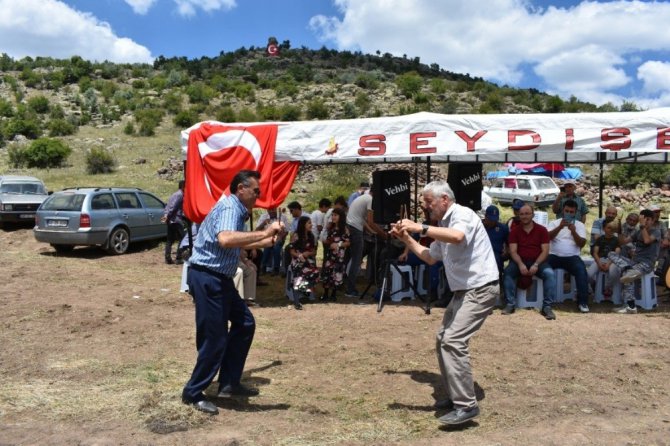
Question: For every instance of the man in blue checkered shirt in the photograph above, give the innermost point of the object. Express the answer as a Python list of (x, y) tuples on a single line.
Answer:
[(216, 253)]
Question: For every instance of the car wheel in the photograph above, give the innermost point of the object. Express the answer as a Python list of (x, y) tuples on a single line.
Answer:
[(63, 248), (118, 241)]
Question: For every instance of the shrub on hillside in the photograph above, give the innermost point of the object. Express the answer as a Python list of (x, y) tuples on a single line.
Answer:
[(630, 175), (409, 83), (6, 109), (129, 128), (290, 112), (16, 156), (317, 109), (226, 114), (27, 126), (61, 127), (39, 104), (148, 119), (42, 153), (99, 160), (186, 118)]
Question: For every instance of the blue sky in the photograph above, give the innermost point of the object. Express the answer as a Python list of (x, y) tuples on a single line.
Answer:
[(599, 51)]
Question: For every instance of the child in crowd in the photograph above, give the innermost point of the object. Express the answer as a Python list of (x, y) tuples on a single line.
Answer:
[(605, 244), (337, 241), (303, 266)]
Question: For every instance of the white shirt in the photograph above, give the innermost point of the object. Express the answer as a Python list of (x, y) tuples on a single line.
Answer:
[(471, 263), (358, 212), (326, 221), (317, 220), (266, 216), (563, 245)]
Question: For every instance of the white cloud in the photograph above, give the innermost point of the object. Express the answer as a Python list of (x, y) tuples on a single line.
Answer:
[(141, 6), (583, 69), (655, 76), (581, 50), (187, 8), (49, 27)]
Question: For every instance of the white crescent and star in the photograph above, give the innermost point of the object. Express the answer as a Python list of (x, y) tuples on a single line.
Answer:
[(231, 139)]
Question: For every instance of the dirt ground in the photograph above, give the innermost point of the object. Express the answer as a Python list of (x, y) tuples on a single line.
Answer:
[(95, 351)]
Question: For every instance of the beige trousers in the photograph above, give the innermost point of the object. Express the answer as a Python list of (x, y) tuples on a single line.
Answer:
[(466, 312)]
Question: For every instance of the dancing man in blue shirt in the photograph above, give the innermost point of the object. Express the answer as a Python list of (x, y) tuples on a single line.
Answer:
[(216, 253)]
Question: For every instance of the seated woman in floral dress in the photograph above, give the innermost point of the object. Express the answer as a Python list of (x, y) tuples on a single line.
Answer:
[(303, 263), (337, 241)]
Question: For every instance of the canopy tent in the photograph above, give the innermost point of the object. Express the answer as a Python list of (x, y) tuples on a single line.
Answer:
[(215, 150)]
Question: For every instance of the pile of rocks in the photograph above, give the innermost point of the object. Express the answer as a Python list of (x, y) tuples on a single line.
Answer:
[(172, 169), (628, 199)]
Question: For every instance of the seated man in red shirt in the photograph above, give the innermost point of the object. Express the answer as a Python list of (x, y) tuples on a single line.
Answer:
[(529, 249)]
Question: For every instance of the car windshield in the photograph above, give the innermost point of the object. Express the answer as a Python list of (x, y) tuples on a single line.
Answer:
[(63, 202), (22, 188), (544, 183)]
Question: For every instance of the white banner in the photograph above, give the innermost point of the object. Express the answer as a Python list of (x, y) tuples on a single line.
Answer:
[(568, 137)]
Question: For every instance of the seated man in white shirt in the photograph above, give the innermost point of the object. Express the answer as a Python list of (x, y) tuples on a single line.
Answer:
[(568, 236)]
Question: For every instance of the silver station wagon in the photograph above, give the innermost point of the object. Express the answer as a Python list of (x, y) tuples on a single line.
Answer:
[(108, 217)]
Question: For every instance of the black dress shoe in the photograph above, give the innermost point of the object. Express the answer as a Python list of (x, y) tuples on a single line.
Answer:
[(459, 416), (238, 390), (203, 406), (445, 404)]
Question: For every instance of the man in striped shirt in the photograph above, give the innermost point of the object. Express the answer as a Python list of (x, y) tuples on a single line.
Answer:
[(216, 253)]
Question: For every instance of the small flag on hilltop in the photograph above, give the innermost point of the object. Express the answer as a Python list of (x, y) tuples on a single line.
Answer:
[(273, 47)]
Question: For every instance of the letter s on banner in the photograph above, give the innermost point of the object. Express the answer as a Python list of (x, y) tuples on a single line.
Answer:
[(372, 145), (620, 137)]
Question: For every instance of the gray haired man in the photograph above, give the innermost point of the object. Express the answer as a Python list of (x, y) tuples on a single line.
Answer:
[(463, 245)]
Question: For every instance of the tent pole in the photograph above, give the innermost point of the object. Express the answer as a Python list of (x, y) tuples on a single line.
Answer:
[(428, 180), (416, 190), (600, 186)]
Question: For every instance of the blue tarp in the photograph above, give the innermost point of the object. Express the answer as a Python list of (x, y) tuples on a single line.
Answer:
[(572, 173)]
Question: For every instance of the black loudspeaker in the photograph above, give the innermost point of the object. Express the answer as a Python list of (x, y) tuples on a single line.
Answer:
[(390, 194), (466, 182)]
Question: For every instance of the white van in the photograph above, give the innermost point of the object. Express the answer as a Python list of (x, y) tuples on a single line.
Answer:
[(535, 189)]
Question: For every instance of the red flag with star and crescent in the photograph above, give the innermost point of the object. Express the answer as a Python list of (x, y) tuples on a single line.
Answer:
[(217, 152)]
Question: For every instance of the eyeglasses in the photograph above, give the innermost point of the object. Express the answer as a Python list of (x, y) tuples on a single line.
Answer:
[(256, 190)]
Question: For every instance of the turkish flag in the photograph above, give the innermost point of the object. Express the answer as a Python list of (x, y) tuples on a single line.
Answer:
[(217, 152)]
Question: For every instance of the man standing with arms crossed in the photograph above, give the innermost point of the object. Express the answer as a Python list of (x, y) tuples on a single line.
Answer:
[(216, 253), (462, 243)]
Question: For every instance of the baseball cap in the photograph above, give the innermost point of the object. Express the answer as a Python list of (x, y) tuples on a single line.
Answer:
[(492, 213), (517, 204), (365, 184), (569, 182)]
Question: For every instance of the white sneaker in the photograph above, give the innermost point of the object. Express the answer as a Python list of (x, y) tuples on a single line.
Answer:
[(630, 275), (625, 310), (584, 308)]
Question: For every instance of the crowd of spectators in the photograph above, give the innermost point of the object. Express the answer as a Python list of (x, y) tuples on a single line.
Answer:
[(622, 249)]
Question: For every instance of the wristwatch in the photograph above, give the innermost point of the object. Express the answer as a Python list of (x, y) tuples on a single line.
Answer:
[(424, 229)]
